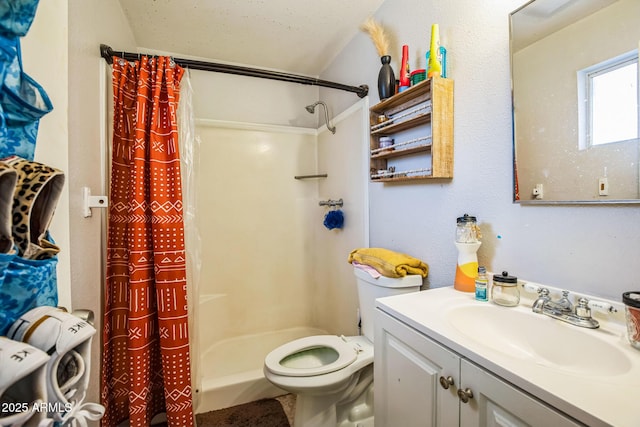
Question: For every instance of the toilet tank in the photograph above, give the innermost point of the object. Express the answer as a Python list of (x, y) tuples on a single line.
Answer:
[(370, 288)]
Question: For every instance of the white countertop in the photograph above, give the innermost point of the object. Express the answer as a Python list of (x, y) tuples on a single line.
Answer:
[(594, 398)]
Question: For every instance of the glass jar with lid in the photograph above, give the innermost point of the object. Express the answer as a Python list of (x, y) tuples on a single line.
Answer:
[(467, 230), (632, 314), (504, 290)]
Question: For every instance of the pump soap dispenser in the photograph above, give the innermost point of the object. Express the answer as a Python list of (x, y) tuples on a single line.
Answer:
[(467, 242)]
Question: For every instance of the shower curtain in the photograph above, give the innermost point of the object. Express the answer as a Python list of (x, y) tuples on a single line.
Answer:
[(190, 169), (146, 368)]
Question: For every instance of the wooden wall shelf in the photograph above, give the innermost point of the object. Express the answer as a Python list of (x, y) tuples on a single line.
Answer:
[(425, 109)]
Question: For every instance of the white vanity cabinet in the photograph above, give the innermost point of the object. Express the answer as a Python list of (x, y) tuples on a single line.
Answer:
[(497, 403), (419, 382), (407, 370)]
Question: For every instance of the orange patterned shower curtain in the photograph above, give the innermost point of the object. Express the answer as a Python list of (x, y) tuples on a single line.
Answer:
[(146, 368)]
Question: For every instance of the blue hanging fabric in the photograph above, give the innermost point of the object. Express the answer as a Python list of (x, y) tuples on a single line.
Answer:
[(25, 282), (22, 100), (28, 283), (16, 16)]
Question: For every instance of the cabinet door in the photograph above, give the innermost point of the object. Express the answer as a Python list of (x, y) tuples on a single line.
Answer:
[(407, 369), (497, 403)]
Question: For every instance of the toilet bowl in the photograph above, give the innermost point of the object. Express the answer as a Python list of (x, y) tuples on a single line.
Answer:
[(331, 375), (318, 365)]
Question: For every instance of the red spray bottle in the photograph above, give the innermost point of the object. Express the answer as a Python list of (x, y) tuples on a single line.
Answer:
[(405, 73)]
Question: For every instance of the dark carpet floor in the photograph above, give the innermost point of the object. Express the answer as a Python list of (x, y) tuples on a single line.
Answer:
[(261, 413)]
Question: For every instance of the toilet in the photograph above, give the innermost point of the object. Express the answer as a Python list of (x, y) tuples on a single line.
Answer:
[(331, 375)]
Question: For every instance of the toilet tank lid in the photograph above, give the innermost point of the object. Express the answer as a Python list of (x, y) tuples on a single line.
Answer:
[(408, 281)]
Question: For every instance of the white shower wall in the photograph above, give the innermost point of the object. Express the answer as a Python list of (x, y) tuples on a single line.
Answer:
[(272, 249), (345, 158), (256, 231), (257, 251)]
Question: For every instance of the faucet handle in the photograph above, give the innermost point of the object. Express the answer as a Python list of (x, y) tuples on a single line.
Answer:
[(583, 315), (582, 309), (564, 302)]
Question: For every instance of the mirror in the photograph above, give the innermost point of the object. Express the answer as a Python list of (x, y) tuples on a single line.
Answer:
[(555, 47)]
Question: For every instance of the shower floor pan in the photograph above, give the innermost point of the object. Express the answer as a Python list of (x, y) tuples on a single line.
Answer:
[(232, 369)]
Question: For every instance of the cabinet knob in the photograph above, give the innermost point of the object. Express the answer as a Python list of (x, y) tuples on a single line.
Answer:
[(446, 382), (465, 395)]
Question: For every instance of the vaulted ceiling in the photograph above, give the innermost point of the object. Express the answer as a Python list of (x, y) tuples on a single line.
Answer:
[(297, 36)]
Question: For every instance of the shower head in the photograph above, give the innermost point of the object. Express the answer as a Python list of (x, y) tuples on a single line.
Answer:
[(311, 109)]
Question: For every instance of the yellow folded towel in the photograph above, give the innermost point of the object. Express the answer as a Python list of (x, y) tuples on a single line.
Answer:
[(389, 263)]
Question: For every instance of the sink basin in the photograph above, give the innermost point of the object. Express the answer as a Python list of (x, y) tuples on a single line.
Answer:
[(540, 339)]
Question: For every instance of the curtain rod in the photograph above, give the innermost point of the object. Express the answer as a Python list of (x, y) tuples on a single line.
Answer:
[(107, 53)]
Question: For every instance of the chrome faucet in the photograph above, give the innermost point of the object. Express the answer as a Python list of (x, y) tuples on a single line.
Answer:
[(542, 300), (563, 309)]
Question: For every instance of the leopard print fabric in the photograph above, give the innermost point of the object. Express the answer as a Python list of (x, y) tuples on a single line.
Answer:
[(36, 195), (8, 178)]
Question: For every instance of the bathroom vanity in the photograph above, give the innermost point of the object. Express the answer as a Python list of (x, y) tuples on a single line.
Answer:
[(444, 359)]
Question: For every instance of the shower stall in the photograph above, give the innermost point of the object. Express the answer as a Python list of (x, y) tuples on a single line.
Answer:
[(256, 233), (270, 271)]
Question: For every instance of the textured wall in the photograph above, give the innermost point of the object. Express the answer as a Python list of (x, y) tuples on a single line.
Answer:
[(592, 249), (45, 55)]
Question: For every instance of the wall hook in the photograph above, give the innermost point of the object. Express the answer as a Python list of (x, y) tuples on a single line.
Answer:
[(89, 201)]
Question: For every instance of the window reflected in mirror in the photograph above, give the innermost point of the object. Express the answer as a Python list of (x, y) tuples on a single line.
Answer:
[(612, 102)]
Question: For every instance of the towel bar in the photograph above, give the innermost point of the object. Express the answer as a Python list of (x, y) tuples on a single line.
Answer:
[(331, 203), (322, 175)]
